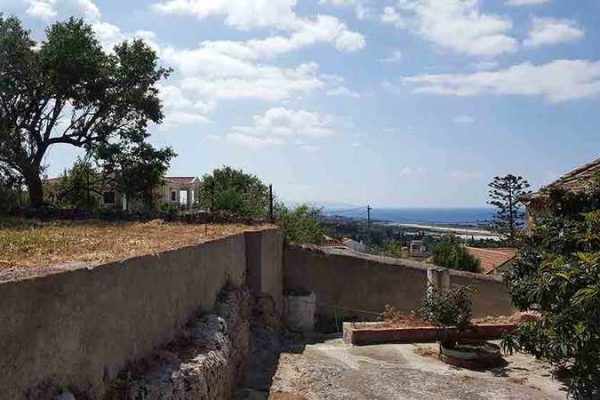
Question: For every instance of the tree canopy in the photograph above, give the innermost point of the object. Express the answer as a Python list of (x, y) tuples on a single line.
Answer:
[(236, 192), (557, 274), (68, 90), (506, 194), (450, 253)]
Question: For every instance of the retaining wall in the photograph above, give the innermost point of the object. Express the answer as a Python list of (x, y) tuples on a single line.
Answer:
[(79, 328), (349, 284)]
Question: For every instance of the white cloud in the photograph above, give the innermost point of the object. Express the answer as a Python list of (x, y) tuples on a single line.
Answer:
[(361, 9), (457, 25), (110, 35), (464, 120), (395, 57), (52, 9), (526, 2), (342, 91), (557, 81), (252, 142), (552, 31), (279, 125), (277, 14), (180, 109)]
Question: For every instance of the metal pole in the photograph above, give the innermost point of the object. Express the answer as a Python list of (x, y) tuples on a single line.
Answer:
[(271, 203)]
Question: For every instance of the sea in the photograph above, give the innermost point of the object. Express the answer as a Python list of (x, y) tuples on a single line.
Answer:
[(425, 216)]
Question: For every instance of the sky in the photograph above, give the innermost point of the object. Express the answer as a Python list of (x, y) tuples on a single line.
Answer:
[(393, 103)]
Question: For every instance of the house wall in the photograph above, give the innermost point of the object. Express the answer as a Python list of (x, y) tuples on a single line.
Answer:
[(358, 285), (80, 328)]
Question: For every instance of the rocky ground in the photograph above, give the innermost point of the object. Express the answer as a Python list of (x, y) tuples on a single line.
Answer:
[(333, 370)]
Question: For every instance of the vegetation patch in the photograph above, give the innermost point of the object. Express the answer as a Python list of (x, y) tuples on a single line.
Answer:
[(26, 243)]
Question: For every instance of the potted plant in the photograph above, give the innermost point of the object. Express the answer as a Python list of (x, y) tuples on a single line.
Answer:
[(452, 311)]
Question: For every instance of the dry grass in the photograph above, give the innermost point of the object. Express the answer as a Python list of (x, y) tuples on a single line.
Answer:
[(28, 244)]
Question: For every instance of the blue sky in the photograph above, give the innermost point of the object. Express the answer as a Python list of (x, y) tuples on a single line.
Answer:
[(393, 103)]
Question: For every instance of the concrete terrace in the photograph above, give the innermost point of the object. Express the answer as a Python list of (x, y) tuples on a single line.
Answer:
[(333, 370)]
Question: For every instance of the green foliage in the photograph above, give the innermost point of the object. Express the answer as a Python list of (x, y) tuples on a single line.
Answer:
[(135, 169), (450, 253), (452, 308), (301, 225), (236, 192), (506, 194), (100, 97), (557, 274), (78, 187), (9, 191), (392, 248)]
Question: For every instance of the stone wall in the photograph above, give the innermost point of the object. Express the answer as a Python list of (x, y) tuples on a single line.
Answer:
[(206, 361), (80, 328), (349, 284)]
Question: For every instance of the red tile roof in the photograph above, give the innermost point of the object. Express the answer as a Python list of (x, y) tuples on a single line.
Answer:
[(491, 259)]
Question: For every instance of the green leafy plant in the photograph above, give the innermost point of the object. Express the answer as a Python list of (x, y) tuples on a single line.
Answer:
[(301, 225), (450, 253), (452, 308), (557, 274), (236, 192)]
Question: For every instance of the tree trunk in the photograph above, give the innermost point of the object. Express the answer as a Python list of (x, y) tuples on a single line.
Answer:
[(35, 189)]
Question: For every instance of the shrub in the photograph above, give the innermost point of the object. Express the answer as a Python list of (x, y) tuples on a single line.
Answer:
[(301, 225), (557, 274), (450, 253), (450, 308), (236, 192)]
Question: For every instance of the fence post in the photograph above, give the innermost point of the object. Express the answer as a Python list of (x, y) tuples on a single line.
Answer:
[(438, 279), (271, 218)]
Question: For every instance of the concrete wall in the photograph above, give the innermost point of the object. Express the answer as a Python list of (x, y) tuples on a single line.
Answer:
[(79, 328), (265, 265), (350, 284)]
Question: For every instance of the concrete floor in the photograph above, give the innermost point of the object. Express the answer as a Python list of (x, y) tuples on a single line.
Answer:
[(333, 370)]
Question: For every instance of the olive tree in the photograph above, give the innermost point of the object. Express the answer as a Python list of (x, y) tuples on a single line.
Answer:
[(67, 90)]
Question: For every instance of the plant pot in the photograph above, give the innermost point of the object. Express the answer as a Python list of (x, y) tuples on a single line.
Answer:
[(471, 354)]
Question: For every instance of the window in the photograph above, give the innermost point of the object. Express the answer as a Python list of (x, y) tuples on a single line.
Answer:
[(109, 197), (173, 195)]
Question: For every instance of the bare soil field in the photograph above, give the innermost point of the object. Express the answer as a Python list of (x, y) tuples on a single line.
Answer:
[(30, 247)]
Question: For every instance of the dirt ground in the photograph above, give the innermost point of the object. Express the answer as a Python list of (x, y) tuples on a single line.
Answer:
[(333, 370), (31, 248)]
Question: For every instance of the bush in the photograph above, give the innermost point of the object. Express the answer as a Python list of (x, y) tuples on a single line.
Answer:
[(301, 225), (235, 192), (450, 308), (557, 274), (450, 253)]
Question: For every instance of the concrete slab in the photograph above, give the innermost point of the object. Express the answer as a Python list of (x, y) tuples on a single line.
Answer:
[(333, 370)]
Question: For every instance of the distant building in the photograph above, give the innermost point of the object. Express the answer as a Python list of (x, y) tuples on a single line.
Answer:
[(493, 261), (576, 180), (354, 245), (177, 191), (417, 248)]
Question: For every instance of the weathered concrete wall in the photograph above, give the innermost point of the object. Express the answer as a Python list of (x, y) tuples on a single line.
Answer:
[(357, 285), (208, 366), (264, 251), (79, 328)]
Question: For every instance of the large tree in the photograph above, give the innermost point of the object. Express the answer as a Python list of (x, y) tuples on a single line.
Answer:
[(236, 192), (68, 90), (506, 194)]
